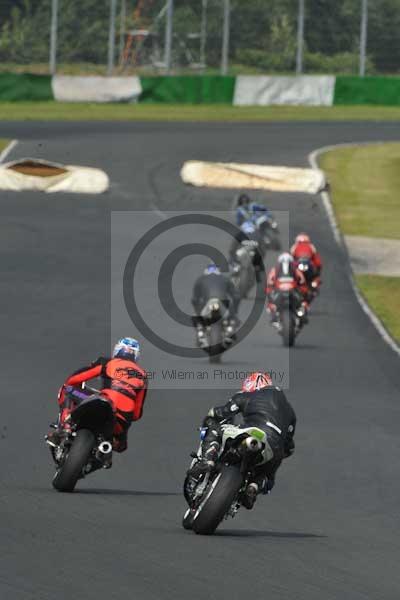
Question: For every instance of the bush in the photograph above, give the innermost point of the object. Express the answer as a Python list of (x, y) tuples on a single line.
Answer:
[(346, 63), (266, 61)]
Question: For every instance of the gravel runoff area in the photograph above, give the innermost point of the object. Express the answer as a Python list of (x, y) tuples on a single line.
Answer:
[(374, 256)]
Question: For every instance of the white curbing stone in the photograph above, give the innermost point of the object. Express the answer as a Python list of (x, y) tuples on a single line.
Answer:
[(249, 176), (70, 178)]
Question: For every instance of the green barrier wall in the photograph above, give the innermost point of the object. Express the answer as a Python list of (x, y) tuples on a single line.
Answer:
[(188, 89), (14, 87), (367, 90), (205, 89)]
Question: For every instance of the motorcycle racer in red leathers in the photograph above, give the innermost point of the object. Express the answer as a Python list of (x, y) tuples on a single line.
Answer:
[(124, 384), (281, 276), (304, 251)]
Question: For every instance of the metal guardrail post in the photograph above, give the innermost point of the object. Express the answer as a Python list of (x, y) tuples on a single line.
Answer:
[(300, 39), (225, 37), (169, 35), (363, 36), (53, 37), (111, 37)]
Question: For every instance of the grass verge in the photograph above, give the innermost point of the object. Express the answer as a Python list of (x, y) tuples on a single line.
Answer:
[(383, 295), (58, 111), (3, 144), (365, 183)]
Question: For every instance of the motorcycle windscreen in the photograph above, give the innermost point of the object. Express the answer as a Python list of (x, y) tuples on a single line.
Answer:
[(96, 415)]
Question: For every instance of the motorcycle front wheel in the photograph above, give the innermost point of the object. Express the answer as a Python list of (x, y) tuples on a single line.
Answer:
[(71, 469)]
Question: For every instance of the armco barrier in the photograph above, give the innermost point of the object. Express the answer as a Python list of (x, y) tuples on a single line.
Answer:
[(195, 89), (367, 90), (18, 87)]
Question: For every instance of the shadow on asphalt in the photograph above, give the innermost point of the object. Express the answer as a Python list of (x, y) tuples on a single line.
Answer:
[(268, 534), (109, 492)]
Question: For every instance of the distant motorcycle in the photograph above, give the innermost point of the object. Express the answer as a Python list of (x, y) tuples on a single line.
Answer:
[(290, 317), (306, 267), (218, 495), (242, 268), (269, 230), (87, 446), (219, 328)]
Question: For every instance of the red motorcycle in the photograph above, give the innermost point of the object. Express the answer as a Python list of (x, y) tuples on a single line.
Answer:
[(290, 312), (86, 445)]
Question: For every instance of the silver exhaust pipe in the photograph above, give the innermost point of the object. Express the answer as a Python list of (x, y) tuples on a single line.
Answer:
[(253, 445), (105, 447), (104, 450)]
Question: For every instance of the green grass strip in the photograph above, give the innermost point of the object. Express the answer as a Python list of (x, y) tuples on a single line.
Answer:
[(3, 144), (365, 182), (383, 296), (59, 111)]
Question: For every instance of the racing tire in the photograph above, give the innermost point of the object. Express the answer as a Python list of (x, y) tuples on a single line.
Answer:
[(71, 469), (219, 498), (275, 242), (288, 328), (215, 340), (187, 521)]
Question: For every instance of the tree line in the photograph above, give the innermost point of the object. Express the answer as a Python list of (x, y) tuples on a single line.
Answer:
[(263, 32)]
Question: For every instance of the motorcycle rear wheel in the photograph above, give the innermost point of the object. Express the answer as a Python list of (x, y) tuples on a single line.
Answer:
[(218, 500), (68, 474), (288, 328), (215, 341)]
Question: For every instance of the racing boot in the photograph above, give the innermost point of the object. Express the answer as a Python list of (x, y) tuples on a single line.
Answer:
[(206, 463), (230, 331), (273, 314), (249, 496), (59, 429), (302, 313), (201, 337)]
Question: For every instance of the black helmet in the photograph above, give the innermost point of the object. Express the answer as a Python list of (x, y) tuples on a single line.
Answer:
[(243, 200)]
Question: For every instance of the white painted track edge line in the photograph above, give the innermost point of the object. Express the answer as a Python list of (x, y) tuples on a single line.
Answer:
[(327, 203), (7, 150)]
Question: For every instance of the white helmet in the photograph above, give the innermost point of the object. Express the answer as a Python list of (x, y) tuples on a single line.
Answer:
[(127, 347)]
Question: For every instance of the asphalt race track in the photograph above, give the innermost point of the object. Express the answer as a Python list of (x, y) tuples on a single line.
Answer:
[(328, 531)]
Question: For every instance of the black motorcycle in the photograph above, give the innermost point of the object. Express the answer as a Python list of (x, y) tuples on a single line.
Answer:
[(219, 328), (313, 280), (269, 230), (218, 495), (242, 267), (87, 445)]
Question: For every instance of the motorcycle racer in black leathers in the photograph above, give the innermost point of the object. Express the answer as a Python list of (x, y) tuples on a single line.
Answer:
[(248, 235), (214, 284), (262, 405)]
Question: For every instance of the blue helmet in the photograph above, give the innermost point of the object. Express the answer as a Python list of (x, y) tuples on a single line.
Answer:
[(248, 227), (127, 347), (212, 268)]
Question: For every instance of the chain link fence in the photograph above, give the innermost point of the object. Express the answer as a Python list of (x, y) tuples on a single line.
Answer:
[(198, 36)]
